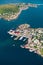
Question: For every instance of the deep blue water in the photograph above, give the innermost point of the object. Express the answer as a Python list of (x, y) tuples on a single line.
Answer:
[(15, 55), (13, 1)]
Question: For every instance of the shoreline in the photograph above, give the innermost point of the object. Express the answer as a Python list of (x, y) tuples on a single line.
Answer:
[(31, 49), (32, 37), (22, 6), (14, 16)]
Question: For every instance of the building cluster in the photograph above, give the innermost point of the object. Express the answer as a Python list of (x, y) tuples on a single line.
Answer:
[(34, 36)]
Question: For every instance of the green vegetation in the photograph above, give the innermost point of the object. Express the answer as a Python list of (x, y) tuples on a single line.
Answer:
[(9, 8), (35, 46), (41, 50), (42, 44)]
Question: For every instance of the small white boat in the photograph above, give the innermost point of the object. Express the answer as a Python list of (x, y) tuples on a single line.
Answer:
[(16, 38), (20, 38), (11, 36), (24, 39), (30, 50), (21, 46)]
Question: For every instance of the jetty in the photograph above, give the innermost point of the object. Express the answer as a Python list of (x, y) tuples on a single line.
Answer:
[(33, 37)]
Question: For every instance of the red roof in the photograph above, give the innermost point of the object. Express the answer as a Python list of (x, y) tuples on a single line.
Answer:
[(17, 32)]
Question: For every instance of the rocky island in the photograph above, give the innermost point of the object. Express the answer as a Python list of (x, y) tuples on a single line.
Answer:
[(34, 38), (12, 11)]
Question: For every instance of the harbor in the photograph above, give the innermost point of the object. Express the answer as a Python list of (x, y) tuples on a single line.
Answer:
[(15, 51), (33, 38)]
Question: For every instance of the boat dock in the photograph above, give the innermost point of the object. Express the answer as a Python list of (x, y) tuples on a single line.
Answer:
[(20, 38)]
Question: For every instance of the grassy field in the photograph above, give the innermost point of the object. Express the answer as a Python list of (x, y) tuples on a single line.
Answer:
[(9, 8)]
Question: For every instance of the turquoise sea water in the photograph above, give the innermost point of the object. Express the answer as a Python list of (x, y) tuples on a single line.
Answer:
[(10, 55), (15, 1)]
